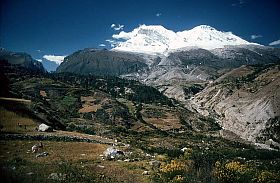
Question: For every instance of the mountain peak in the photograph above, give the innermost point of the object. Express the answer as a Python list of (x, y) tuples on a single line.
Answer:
[(152, 27), (204, 27), (155, 39)]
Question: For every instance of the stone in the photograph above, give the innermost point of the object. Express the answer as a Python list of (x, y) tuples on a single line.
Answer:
[(45, 128), (184, 149), (100, 166), (30, 173), (146, 173), (57, 176), (154, 163), (113, 153), (42, 154), (148, 155)]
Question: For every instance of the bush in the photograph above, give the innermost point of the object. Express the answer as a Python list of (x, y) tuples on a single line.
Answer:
[(232, 172), (175, 171), (268, 177), (71, 127)]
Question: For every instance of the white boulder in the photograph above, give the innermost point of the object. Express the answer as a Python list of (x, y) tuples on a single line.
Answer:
[(45, 128), (113, 153)]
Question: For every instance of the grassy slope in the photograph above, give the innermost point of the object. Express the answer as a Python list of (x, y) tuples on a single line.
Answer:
[(164, 145)]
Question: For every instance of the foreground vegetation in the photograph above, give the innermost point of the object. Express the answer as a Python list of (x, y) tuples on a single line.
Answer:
[(161, 140)]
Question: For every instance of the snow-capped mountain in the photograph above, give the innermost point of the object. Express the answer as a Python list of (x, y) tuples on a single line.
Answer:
[(51, 62), (155, 39), (55, 58), (208, 38), (181, 64)]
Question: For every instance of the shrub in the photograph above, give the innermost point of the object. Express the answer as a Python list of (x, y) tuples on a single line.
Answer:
[(232, 172), (188, 153), (71, 127), (267, 177), (176, 171)]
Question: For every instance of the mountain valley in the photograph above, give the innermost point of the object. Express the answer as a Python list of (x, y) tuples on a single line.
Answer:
[(158, 105)]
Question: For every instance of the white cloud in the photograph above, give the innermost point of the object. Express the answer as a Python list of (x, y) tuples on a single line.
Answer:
[(117, 27), (274, 43), (255, 36), (110, 40), (123, 35), (54, 58), (158, 14), (102, 45), (40, 60), (238, 3), (113, 43)]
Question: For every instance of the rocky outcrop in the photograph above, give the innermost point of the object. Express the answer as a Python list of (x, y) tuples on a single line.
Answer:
[(244, 100), (172, 72)]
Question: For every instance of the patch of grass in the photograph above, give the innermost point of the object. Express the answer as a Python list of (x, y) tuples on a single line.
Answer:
[(14, 123)]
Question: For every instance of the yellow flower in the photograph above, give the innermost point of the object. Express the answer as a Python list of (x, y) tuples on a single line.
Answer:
[(268, 177), (230, 172)]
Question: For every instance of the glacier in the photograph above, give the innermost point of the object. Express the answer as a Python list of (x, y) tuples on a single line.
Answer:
[(156, 39)]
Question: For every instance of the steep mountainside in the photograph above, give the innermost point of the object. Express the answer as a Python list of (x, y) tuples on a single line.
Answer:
[(50, 66), (97, 104), (148, 132), (101, 62), (21, 59), (182, 73), (246, 101), (173, 72), (170, 73)]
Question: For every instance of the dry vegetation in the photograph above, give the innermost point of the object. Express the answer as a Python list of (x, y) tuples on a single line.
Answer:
[(88, 105), (160, 117), (19, 164), (81, 155), (154, 131), (13, 123)]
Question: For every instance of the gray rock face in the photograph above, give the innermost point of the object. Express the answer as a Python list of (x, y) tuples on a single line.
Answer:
[(170, 73), (45, 128), (21, 59), (245, 100), (102, 62), (49, 65)]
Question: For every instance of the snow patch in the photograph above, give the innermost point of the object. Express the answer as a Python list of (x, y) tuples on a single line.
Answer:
[(54, 58)]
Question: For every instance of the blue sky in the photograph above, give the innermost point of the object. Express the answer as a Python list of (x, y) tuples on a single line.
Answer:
[(60, 27)]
